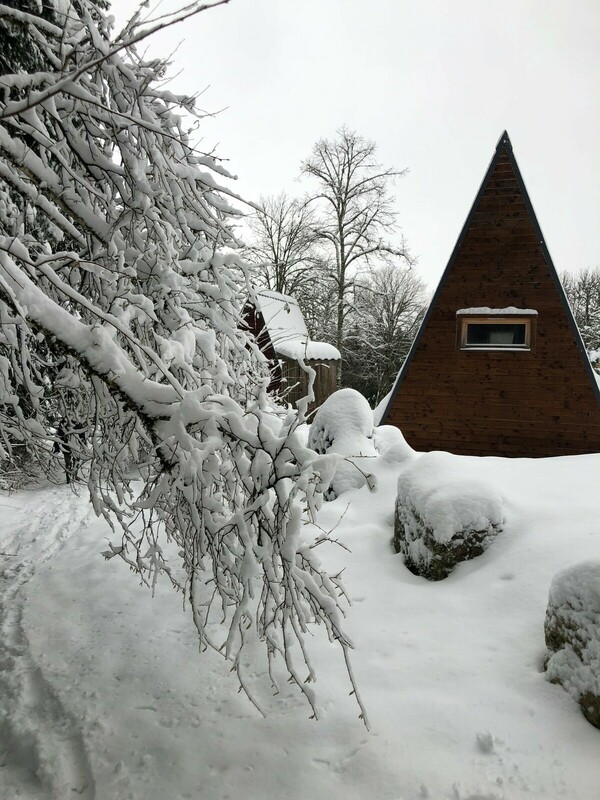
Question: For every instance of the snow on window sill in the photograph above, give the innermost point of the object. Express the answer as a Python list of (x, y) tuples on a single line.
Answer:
[(509, 311)]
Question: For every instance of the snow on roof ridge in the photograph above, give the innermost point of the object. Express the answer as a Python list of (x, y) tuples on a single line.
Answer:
[(273, 295)]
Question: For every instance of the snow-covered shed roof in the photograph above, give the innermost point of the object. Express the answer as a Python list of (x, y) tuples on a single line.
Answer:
[(287, 328)]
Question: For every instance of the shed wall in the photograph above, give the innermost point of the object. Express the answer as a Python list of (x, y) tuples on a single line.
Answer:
[(256, 325), (294, 383)]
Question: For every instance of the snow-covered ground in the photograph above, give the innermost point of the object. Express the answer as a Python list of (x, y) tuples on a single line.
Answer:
[(103, 692)]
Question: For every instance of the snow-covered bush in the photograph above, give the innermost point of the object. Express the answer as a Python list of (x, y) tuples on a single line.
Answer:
[(572, 632), (120, 335), (441, 518), (344, 425)]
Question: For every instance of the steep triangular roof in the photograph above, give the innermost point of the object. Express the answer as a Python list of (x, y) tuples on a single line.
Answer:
[(499, 260)]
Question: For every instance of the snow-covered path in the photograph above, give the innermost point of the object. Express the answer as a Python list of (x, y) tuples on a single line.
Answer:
[(41, 746), (103, 689)]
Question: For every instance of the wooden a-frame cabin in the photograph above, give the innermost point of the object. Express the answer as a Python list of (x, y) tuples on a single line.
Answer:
[(498, 367)]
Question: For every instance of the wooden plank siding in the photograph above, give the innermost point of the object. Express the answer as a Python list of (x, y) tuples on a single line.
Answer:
[(294, 383), (541, 402)]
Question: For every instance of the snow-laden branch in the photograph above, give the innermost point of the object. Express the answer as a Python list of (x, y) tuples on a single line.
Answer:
[(122, 357)]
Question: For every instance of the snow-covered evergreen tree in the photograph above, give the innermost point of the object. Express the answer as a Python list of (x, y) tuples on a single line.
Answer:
[(120, 344)]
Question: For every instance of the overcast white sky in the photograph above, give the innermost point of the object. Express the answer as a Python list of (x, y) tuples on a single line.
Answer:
[(433, 82)]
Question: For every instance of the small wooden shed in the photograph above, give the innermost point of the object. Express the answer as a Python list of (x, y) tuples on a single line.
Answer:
[(278, 325), (498, 366)]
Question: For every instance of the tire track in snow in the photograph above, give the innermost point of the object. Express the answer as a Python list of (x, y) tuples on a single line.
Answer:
[(42, 751)]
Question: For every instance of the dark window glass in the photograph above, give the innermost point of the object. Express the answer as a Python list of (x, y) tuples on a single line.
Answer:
[(494, 335)]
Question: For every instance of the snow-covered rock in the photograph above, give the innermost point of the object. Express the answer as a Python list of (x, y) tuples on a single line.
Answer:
[(344, 425), (572, 630), (442, 519)]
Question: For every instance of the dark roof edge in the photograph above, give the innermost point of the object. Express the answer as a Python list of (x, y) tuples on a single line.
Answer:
[(504, 141), (502, 146)]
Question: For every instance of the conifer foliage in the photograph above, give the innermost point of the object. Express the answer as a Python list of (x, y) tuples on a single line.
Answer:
[(121, 354)]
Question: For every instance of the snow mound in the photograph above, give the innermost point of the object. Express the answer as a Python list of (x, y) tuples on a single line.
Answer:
[(392, 446), (344, 425), (440, 519), (380, 408), (572, 631)]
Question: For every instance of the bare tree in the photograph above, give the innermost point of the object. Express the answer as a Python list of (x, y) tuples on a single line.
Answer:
[(281, 245), (357, 214), (389, 305), (120, 339)]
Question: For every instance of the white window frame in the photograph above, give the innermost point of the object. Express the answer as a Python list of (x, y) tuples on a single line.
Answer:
[(511, 316)]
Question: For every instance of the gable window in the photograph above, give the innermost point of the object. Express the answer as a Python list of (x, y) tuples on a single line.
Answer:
[(495, 328)]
